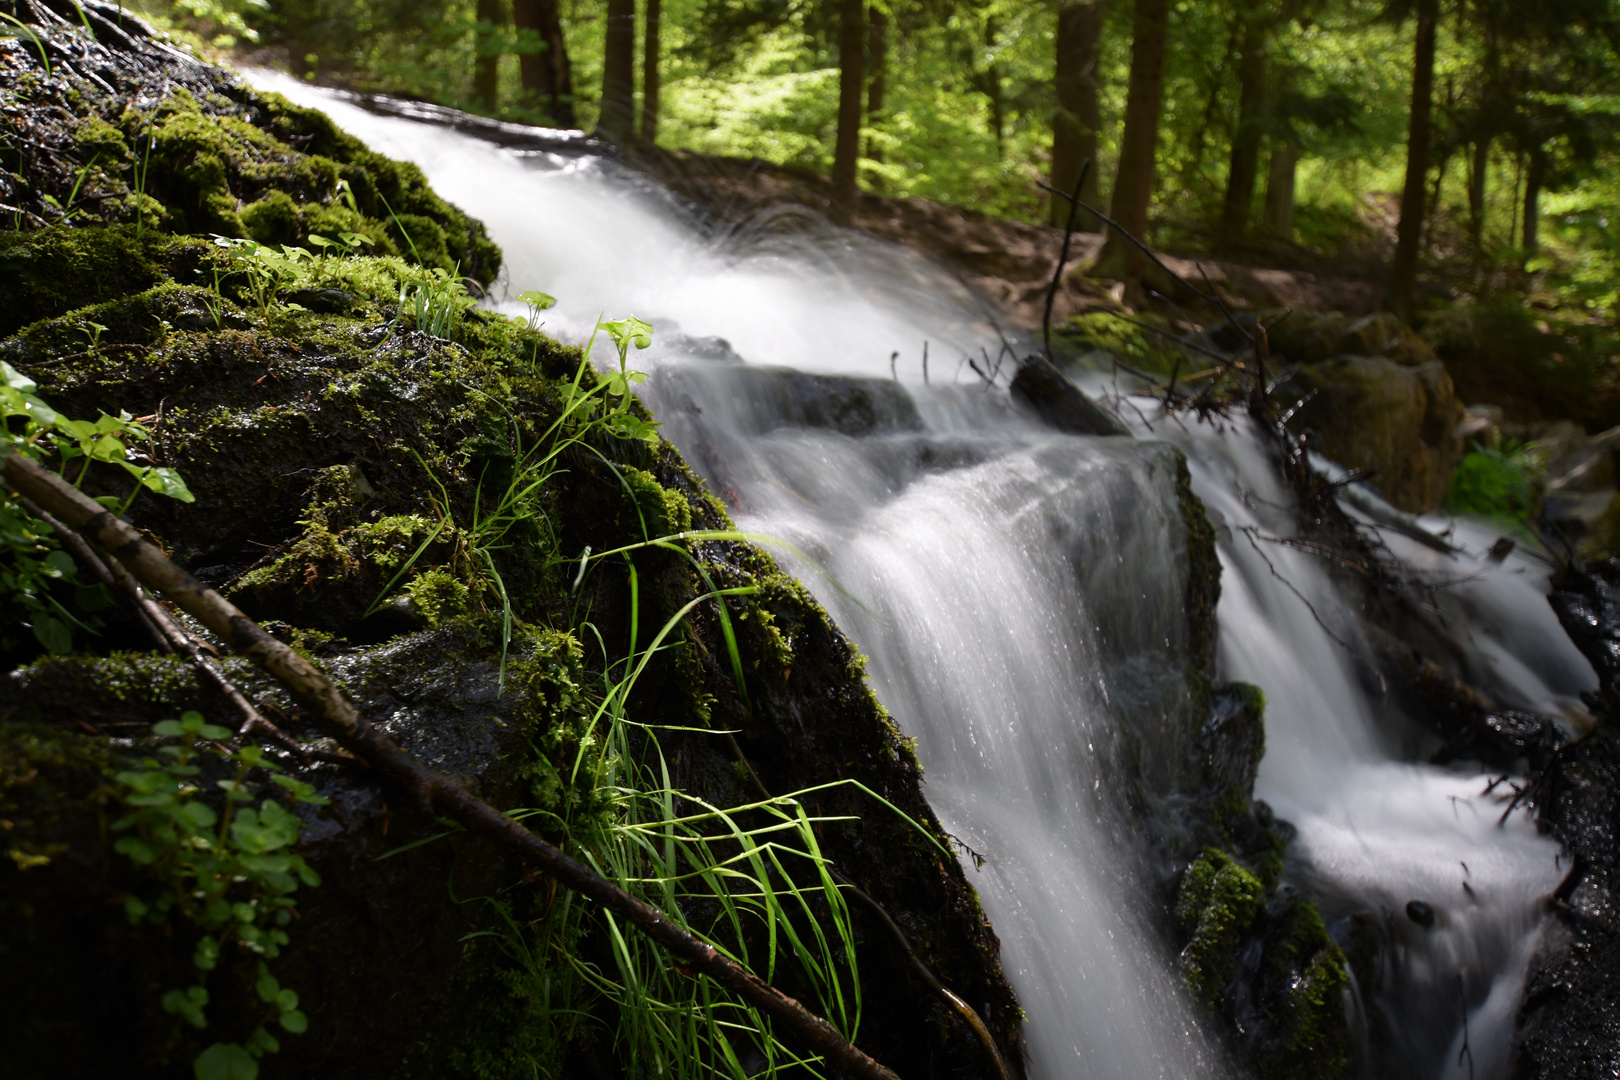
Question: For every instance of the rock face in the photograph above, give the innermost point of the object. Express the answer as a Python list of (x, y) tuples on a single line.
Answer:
[(348, 457), (1396, 424), (1569, 1023)]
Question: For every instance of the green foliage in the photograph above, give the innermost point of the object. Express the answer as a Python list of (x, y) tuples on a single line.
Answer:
[(1497, 482), (36, 575), (230, 873)]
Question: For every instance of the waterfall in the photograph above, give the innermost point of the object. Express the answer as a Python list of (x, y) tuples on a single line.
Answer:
[(1021, 597)]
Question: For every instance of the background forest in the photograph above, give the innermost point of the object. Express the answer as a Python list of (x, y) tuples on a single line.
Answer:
[(1277, 131)]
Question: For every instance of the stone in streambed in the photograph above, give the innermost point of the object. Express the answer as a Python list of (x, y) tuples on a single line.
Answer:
[(1044, 391)]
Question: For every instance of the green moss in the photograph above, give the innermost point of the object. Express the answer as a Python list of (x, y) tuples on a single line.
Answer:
[(438, 596), (1307, 980), (56, 270), (1216, 906), (100, 139), (119, 685), (1140, 348), (273, 219)]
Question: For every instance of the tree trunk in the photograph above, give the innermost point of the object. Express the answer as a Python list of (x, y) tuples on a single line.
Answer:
[(1133, 181), (994, 90), (1244, 169), (1534, 177), (1409, 234), (1074, 125), (1476, 189), (546, 73), (650, 76), (619, 73), (487, 62), (851, 84), (1280, 190), (877, 44)]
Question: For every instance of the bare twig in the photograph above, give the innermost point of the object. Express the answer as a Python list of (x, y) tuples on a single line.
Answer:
[(325, 702), (1063, 258)]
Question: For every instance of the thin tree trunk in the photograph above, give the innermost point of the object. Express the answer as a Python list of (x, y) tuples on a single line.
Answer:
[(619, 73), (1409, 234), (1476, 189), (1133, 181), (851, 85), (1534, 177), (651, 58), (547, 73), (877, 45), (1244, 169), (487, 62), (1280, 190), (993, 89), (1074, 125)]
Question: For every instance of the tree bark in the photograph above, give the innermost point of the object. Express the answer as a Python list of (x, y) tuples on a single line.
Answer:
[(1476, 189), (1133, 181), (851, 85), (1534, 177), (1409, 234), (877, 85), (1074, 125), (487, 62), (1280, 190), (618, 116), (651, 57), (547, 73), (1244, 168)]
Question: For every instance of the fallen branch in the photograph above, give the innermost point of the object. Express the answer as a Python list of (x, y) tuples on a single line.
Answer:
[(165, 632), (322, 699)]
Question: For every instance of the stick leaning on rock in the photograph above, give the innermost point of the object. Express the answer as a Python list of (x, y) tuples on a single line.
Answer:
[(338, 717)]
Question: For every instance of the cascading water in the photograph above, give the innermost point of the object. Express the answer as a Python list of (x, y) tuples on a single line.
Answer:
[(1022, 598)]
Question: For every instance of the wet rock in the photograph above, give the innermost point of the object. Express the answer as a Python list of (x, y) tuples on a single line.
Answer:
[(1588, 523), (1569, 1021), (1398, 424), (1059, 403), (1420, 913)]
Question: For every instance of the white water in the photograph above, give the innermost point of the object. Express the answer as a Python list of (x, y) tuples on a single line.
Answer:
[(1020, 596)]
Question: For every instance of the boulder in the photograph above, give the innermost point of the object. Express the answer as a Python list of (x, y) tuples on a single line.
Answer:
[(1398, 424)]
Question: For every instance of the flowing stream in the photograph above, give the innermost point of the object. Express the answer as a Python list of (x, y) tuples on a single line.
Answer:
[(1021, 595)]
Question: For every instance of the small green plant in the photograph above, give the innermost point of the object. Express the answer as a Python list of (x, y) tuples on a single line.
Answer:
[(1497, 483), (35, 573), (537, 302), (266, 268), (230, 873), (434, 301)]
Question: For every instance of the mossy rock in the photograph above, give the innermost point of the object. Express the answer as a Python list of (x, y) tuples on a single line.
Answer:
[(210, 155)]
